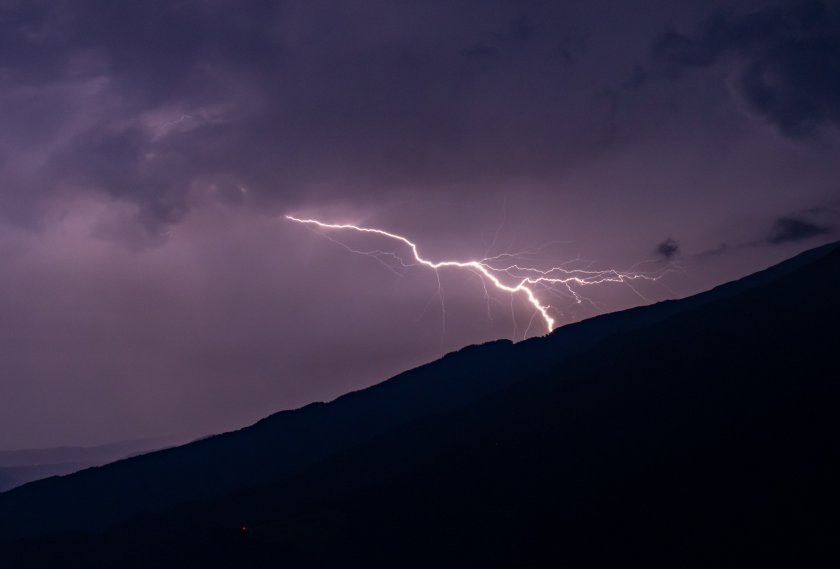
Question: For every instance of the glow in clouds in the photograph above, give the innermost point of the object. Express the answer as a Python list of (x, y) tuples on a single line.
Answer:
[(514, 279)]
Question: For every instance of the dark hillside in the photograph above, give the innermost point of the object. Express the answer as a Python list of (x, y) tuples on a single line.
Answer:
[(694, 433)]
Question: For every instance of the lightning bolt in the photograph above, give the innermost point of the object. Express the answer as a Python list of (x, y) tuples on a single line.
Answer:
[(511, 278)]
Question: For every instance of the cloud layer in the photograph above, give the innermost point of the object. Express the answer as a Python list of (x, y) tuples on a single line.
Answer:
[(787, 58)]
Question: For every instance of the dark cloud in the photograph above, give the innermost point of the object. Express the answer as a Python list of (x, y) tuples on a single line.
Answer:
[(103, 88), (719, 250), (793, 229), (280, 97), (521, 28), (786, 229), (668, 249), (787, 61), (164, 104)]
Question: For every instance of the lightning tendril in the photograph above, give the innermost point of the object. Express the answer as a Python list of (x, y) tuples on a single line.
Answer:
[(512, 277)]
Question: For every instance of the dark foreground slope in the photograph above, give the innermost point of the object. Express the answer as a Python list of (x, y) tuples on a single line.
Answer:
[(694, 433)]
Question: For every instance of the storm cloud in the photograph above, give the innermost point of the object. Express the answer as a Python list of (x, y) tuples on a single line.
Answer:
[(161, 104), (786, 61), (668, 249), (792, 229)]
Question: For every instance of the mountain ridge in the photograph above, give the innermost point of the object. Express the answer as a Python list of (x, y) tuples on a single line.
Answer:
[(513, 382)]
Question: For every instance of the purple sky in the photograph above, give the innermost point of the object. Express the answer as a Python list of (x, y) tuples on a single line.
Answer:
[(150, 286)]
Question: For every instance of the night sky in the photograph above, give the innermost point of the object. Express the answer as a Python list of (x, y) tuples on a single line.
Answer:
[(150, 285)]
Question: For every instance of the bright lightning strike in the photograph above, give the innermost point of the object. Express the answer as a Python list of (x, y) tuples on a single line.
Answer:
[(512, 278)]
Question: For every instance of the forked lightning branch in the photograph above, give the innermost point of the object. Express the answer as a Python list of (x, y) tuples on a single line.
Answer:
[(514, 279)]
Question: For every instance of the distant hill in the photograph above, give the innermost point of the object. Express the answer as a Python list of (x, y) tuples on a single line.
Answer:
[(13, 476), (690, 433), (18, 467)]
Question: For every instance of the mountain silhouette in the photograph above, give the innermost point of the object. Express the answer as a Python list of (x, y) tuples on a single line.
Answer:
[(17, 467), (690, 433)]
